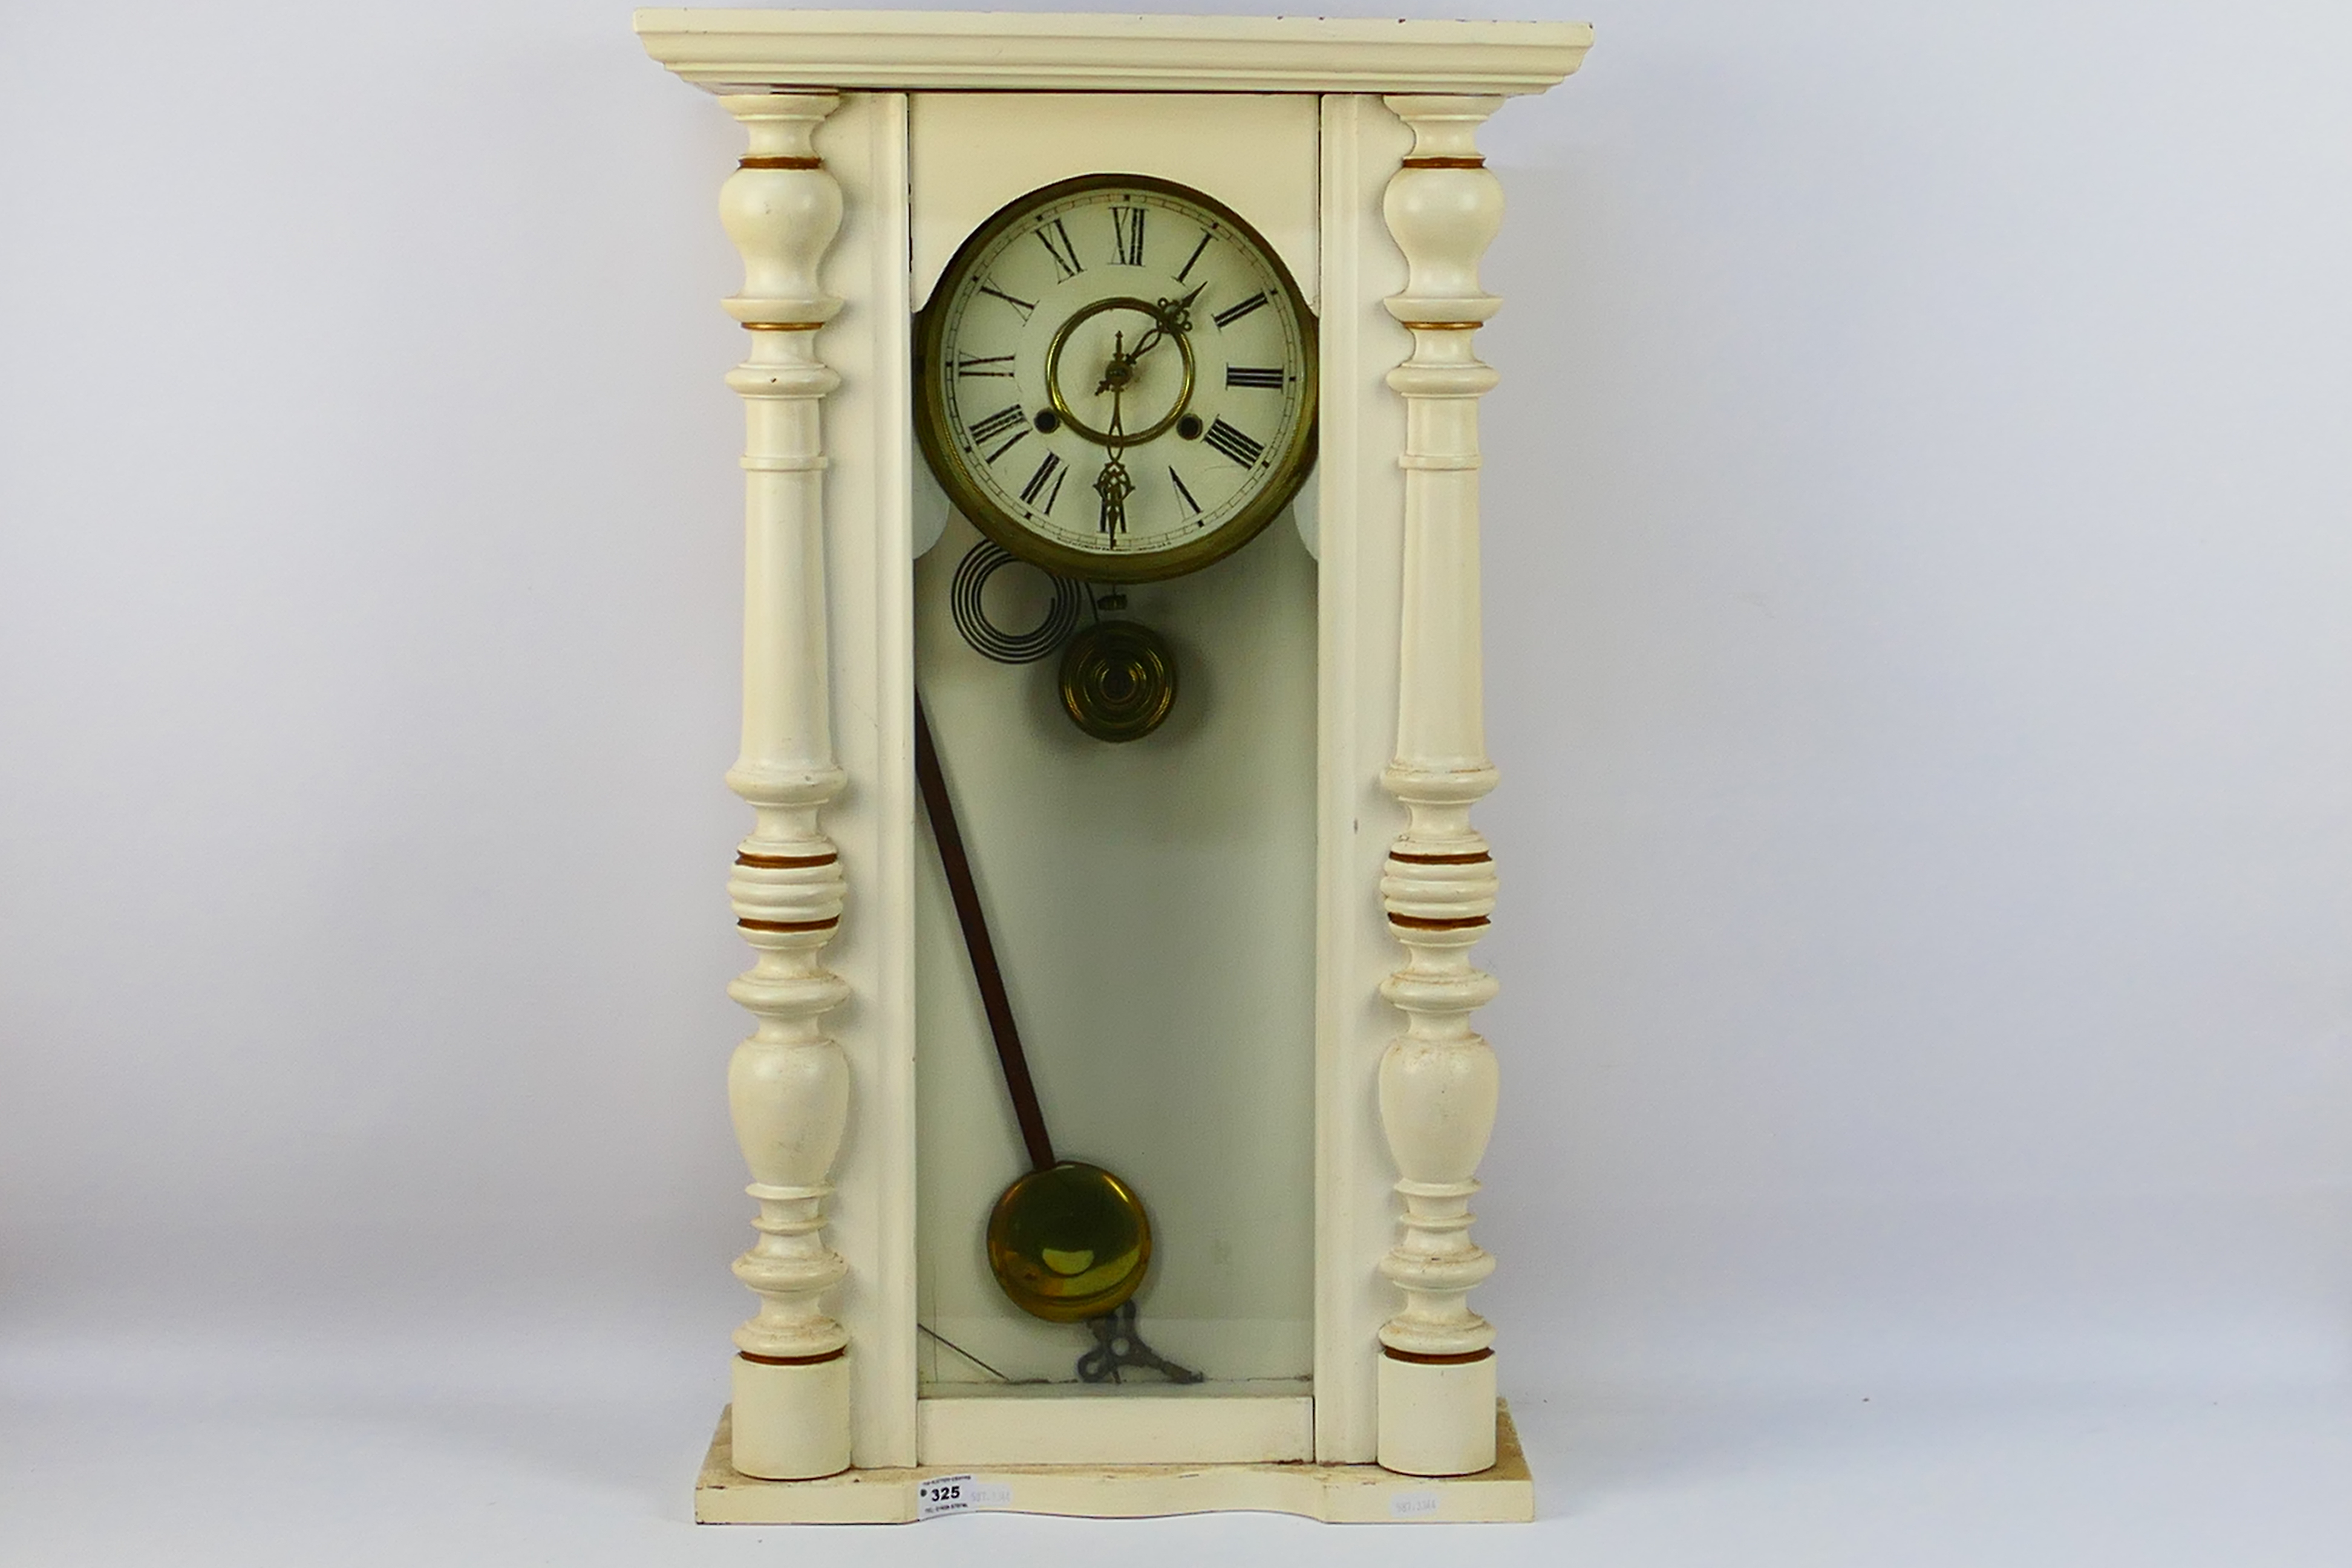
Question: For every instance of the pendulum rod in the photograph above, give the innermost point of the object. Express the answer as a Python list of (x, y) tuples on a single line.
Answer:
[(982, 952)]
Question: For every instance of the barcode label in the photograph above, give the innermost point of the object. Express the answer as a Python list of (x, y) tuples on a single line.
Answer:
[(1411, 1505), (937, 1496)]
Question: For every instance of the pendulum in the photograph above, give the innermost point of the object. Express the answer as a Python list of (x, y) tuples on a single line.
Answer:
[(1068, 1241)]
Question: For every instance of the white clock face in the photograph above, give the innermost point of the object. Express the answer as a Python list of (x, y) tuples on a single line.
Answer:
[(1116, 380)]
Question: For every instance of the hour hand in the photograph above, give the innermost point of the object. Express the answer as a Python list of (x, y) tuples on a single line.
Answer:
[(1117, 372)]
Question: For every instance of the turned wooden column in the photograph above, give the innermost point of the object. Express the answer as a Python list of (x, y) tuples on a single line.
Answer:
[(1437, 1080), (788, 1084)]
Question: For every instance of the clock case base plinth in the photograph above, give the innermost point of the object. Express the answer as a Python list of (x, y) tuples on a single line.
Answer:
[(1334, 1494)]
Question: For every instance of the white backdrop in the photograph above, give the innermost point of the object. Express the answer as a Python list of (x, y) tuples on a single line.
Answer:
[(1920, 612)]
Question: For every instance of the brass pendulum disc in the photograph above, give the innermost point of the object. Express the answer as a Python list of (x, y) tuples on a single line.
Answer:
[(1119, 680), (1068, 1242)]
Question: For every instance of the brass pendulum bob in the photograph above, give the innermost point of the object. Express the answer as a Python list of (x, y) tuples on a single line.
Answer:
[(1069, 1241)]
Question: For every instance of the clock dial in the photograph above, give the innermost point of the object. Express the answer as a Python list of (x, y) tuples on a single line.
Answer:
[(1115, 379)]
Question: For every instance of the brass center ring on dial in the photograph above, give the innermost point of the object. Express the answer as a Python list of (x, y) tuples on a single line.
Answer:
[(1061, 404)]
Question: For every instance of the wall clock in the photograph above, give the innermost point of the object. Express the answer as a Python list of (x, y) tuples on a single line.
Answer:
[(1111, 406)]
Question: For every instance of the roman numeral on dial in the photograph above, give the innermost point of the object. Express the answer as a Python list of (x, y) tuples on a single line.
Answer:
[(1186, 275), (1254, 375), (1055, 238), (1178, 480), (1127, 234), (1049, 472), (992, 365), (1008, 420), (1235, 312), (1024, 306), (1243, 450)]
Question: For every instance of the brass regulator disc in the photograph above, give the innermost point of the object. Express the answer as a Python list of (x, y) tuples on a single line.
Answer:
[(1069, 1241), (1119, 680)]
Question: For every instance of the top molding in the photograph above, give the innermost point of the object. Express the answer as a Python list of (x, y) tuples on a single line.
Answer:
[(730, 51)]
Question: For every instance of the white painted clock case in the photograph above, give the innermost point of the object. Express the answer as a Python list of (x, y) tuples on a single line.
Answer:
[(789, 1082)]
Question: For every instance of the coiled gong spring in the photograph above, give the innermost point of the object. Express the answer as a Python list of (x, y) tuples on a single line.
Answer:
[(967, 603)]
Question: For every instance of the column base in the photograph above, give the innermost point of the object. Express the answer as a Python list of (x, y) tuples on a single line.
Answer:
[(791, 1418), (1437, 1418)]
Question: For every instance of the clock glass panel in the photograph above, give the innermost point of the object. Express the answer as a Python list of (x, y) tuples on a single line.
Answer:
[(1116, 390)]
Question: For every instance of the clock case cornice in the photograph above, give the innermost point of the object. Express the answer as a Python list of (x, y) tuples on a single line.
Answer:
[(733, 51)]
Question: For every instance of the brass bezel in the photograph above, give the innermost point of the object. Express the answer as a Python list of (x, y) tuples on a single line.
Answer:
[(1284, 479)]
